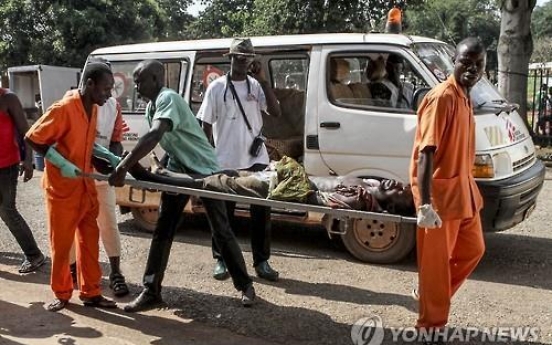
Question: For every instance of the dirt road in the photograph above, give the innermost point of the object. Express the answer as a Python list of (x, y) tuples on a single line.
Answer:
[(322, 293)]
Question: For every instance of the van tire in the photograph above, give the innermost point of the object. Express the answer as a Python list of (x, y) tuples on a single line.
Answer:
[(378, 242), (145, 217)]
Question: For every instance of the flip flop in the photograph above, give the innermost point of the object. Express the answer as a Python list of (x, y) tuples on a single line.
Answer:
[(56, 305), (118, 284), (98, 302)]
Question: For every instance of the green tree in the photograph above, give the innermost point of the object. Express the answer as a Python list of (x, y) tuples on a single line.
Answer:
[(65, 32), (451, 21), (541, 22), (222, 18), (176, 18), (542, 50), (227, 18)]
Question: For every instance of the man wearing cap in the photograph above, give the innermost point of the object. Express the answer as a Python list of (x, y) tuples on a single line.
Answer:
[(231, 114)]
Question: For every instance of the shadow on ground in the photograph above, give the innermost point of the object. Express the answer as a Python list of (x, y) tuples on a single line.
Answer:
[(528, 259), (42, 325)]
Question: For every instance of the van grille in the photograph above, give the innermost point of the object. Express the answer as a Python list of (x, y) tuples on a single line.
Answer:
[(524, 162)]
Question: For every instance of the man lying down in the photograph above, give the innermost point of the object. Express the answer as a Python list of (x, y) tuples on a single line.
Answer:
[(286, 180)]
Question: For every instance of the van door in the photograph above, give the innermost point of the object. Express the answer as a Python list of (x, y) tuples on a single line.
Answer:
[(366, 121)]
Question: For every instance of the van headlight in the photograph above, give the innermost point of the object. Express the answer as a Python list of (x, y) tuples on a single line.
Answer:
[(483, 167)]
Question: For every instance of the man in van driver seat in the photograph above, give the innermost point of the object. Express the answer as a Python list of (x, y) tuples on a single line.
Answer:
[(449, 236), (232, 120)]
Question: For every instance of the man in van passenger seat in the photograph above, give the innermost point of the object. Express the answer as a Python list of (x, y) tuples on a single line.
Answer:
[(449, 236), (174, 127), (395, 68), (379, 84), (232, 120)]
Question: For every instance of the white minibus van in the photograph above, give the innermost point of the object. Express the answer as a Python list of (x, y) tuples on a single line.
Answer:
[(334, 123)]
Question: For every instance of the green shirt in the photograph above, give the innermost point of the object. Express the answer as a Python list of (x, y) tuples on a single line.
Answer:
[(186, 143)]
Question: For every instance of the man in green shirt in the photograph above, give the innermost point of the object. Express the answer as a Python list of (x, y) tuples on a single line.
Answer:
[(174, 127)]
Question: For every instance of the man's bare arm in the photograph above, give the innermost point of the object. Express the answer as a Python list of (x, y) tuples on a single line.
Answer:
[(208, 130), (144, 146), (15, 110), (425, 173)]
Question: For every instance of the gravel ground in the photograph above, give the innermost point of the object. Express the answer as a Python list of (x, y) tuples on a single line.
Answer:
[(322, 292)]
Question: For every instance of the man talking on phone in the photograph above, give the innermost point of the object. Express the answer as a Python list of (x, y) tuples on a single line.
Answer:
[(231, 114)]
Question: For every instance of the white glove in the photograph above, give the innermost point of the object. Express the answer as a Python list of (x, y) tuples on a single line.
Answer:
[(428, 217)]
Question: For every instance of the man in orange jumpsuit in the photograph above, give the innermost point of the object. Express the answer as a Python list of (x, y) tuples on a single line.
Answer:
[(65, 136), (450, 239)]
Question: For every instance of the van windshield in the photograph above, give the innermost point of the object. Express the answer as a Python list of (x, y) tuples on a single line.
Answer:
[(438, 58)]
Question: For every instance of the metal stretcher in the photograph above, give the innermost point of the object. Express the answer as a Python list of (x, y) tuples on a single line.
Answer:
[(285, 205)]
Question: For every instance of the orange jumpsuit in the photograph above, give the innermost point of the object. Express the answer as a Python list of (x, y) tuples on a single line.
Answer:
[(447, 255), (71, 204)]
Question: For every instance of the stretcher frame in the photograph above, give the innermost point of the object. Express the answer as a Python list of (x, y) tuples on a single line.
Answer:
[(338, 213)]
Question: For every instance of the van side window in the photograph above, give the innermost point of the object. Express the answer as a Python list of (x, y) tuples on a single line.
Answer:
[(204, 74), (124, 90), (289, 73), (383, 80)]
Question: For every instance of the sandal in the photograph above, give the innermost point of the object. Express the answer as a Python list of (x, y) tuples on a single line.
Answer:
[(118, 284), (98, 302), (31, 265), (56, 305)]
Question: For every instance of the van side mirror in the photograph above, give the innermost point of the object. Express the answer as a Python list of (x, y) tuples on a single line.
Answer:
[(418, 96)]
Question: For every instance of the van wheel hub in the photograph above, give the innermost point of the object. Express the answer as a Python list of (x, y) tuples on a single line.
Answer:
[(146, 217), (373, 234)]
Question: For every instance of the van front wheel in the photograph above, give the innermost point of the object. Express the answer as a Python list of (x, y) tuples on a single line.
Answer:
[(145, 217), (378, 242)]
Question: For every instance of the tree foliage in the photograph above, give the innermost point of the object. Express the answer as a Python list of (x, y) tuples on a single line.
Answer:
[(452, 20), (541, 21), (64, 32), (542, 33), (227, 18)]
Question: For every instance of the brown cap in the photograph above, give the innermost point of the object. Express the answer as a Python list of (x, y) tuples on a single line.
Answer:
[(241, 46)]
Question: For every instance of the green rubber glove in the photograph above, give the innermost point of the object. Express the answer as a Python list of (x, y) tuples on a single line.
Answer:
[(67, 168), (102, 152)]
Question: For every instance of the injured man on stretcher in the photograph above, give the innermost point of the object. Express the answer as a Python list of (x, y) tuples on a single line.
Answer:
[(286, 180)]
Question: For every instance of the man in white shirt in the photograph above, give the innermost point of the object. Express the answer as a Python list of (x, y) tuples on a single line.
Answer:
[(231, 114)]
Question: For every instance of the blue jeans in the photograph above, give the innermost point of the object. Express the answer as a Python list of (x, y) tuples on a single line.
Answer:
[(11, 216)]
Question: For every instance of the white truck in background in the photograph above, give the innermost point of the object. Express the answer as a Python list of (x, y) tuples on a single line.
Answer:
[(38, 86)]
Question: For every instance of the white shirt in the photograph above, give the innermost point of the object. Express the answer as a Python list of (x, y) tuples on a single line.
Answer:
[(107, 114), (231, 136)]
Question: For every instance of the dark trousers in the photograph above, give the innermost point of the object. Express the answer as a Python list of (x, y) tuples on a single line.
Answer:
[(260, 232), (11, 216), (170, 211)]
